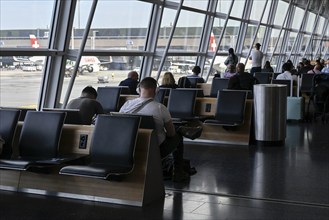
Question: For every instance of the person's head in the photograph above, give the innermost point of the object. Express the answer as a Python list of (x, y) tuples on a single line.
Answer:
[(231, 51), (89, 92), (240, 68), (133, 75), (300, 65), (267, 64), (168, 79), (148, 87), (286, 67), (231, 68), (196, 70), (257, 46)]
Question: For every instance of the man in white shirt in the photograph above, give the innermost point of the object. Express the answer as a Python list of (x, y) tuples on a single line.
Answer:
[(256, 56), (169, 141), (286, 67), (325, 69)]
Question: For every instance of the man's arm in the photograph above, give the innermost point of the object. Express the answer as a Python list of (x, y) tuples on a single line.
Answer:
[(170, 129)]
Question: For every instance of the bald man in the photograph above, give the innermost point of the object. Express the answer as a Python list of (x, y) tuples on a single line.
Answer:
[(131, 82)]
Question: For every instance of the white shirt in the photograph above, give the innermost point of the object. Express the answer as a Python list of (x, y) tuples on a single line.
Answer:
[(325, 69), (159, 112), (287, 76), (256, 57)]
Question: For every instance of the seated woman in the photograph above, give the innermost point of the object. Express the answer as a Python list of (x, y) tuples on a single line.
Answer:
[(230, 71), (267, 67), (168, 81)]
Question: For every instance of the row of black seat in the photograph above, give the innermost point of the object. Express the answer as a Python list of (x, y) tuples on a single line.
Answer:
[(38, 146)]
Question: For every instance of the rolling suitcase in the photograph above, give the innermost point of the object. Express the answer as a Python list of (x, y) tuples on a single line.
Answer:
[(295, 105)]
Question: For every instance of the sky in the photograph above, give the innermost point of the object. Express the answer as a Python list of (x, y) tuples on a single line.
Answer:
[(30, 14)]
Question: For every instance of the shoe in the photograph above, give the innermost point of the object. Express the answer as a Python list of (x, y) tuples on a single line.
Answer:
[(180, 176)]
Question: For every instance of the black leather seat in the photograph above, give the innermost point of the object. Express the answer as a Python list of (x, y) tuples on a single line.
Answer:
[(8, 124), (230, 110), (147, 121), (72, 115), (23, 111), (263, 78), (112, 148), (307, 83), (218, 84), (286, 82), (274, 75), (109, 98), (39, 142), (181, 103), (161, 94)]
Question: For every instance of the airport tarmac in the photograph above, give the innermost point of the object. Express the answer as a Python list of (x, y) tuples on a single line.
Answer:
[(21, 88)]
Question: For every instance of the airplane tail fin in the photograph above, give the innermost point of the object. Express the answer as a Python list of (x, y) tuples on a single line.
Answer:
[(34, 41), (213, 45)]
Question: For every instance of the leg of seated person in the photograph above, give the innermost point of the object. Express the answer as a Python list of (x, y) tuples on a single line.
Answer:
[(175, 145)]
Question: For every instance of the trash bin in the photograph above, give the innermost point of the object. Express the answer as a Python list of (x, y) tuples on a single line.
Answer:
[(270, 106)]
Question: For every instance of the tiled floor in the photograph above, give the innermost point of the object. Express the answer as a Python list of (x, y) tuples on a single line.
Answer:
[(290, 182)]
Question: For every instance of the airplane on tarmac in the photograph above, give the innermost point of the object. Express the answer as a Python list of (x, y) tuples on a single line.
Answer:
[(33, 63)]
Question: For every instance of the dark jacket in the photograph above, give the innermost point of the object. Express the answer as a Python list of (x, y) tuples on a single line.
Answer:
[(132, 84), (244, 81)]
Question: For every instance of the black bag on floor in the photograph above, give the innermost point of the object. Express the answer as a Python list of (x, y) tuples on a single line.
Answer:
[(192, 130)]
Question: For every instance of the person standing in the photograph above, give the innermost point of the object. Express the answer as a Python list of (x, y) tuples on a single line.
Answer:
[(232, 59), (256, 57)]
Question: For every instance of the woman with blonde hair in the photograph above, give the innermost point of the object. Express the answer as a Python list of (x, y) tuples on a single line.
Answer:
[(168, 81)]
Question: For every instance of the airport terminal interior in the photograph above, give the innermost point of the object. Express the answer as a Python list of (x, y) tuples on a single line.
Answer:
[(273, 164)]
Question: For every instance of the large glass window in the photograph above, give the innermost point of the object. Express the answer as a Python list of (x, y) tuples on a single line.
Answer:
[(223, 6), (230, 35), (298, 18), (257, 9), (237, 9), (25, 24), (187, 34), (112, 29), (310, 22), (20, 80), (199, 4), (319, 28), (281, 13)]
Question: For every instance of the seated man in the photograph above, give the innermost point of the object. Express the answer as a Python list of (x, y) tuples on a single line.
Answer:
[(169, 141), (241, 80), (131, 82), (87, 105), (196, 71)]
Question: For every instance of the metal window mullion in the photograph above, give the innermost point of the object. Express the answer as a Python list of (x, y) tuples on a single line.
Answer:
[(286, 36), (325, 26), (61, 23), (314, 28), (268, 29), (302, 27), (170, 39), (244, 26), (206, 33), (256, 32), (220, 40), (82, 46), (151, 41), (285, 22)]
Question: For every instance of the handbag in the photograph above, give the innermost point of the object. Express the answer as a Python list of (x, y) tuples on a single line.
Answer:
[(192, 130)]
